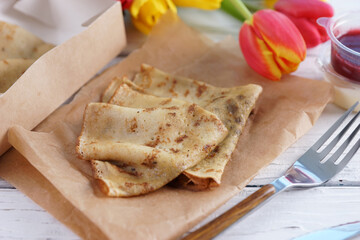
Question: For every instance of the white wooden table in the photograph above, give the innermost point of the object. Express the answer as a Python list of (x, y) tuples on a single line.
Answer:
[(290, 214)]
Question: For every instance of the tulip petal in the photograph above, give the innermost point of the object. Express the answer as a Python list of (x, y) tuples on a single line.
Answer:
[(151, 12), (171, 5), (284, 40), (322, 31), (125, 4), (146, 13), (305, 8), (135, 7), (141, 26), (257, 54), (286, 66), (308, 30), (202, 4)]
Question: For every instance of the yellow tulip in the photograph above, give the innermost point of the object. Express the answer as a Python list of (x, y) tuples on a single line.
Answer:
[(146, 13), (202, 4)]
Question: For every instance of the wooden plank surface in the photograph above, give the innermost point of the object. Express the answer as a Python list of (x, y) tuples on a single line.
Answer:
[(20, 218), (295, 212), (291, 214)]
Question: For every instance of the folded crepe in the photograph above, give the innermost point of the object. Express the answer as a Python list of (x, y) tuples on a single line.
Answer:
[(11, 70), (114, 85), (138, 150), (16, 42), (19, 49), (232, 105)]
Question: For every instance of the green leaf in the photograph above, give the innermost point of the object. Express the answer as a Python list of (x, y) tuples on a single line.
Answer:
[(228, 7)]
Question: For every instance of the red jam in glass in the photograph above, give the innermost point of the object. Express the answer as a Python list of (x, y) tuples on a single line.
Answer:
[(344, 62)]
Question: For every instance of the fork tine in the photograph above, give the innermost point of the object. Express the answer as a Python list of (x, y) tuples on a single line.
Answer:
[(343, 146), (348, 156), (332, 144), (333, 128)]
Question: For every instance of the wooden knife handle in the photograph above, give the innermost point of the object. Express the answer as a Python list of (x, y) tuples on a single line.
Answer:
[(220, 223)]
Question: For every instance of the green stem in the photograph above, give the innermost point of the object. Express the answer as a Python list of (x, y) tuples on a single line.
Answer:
[(240, 6), (252, 7)]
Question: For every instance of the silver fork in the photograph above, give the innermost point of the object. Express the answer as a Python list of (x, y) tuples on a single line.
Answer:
[(309, 170)]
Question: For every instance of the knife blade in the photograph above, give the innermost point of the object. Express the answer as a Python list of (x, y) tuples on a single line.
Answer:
[(340, 232)]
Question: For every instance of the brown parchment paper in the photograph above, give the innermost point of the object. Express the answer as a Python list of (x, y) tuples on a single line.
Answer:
[(58, 74), (62, 184)]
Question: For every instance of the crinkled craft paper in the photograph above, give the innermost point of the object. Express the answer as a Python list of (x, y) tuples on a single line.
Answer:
[(52, 175)]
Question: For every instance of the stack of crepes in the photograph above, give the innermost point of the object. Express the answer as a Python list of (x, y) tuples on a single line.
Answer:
[(161, 128), (18, 50)]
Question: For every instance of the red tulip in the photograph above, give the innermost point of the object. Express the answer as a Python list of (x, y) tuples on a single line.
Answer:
[(125, 3), (271, 44), (304, 13)]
